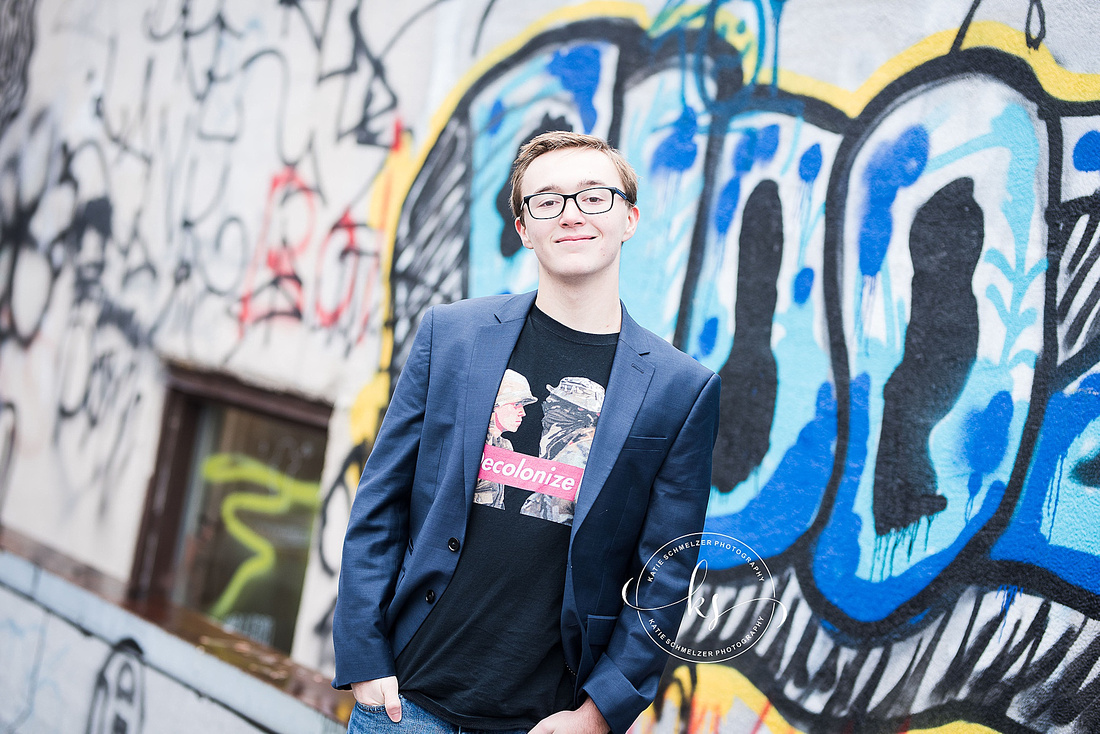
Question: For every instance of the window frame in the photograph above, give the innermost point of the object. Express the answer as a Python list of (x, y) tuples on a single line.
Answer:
[(188, 390)]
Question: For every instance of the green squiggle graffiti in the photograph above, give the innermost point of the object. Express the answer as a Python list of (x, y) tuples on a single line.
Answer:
[(287, 493)]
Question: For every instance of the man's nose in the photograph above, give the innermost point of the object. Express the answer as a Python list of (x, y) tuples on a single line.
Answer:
[(573, 214)]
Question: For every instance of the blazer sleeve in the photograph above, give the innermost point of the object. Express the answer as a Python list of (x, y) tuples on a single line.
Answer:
[(625, 678), (378, 529)]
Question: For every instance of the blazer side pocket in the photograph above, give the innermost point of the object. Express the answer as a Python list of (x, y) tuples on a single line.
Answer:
[(599, 629)]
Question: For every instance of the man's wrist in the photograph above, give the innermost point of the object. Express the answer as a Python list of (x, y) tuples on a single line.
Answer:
[(592, 714)]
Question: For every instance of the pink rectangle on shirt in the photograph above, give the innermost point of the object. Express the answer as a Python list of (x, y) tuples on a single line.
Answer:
[(529, 472)]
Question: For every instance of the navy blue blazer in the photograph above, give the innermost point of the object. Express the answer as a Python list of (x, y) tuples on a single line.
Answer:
[(646, 483)]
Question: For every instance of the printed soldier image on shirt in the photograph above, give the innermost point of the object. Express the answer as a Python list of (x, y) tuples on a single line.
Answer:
[(569, 413), (507, 416)]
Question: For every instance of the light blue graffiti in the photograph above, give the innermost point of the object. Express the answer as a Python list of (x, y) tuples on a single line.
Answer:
[(705, 62), (972, 448), (894, 165), (755, 145), (971, 470), (802, 362), (1013, 130), (654, 260)]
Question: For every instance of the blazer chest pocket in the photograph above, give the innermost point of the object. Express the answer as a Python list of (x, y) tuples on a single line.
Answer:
[(645, 443)]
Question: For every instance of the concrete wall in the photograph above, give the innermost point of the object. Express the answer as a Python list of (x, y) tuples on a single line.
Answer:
[(877, 220), (74, 662)]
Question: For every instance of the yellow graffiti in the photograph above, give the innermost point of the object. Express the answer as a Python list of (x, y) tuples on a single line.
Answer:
[(717, 689), (369, 404), (287, 493), (1058, 81), (956, 727), (1055, 79), (383, 212)]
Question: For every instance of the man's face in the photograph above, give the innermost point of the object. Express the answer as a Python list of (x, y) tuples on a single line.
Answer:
[(574, 247), (509, 416)]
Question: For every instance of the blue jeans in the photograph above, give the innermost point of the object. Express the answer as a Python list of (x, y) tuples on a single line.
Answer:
[(414, 720)]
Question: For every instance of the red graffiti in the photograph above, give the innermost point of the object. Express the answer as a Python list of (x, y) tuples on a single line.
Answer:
[(349, 260), (272, 275)]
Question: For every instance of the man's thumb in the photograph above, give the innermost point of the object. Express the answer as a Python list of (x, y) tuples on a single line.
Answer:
[(393, 704)]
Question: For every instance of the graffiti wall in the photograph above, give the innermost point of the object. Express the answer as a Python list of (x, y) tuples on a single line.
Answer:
[(876, 220)]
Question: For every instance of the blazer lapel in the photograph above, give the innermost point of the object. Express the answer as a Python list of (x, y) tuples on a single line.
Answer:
[(488, 359), (631, 374)]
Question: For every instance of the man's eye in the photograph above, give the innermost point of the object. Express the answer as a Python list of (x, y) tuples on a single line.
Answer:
[(545, 203)]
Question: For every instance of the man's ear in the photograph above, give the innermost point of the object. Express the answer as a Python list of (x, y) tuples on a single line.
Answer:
[(632, 218), (521, 230)]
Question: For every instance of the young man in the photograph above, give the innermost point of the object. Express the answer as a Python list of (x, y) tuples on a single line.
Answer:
[(483, 570)]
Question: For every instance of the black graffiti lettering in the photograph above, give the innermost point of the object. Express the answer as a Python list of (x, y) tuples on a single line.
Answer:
[(430, 259), (940, 346), (749, 377), (998, 666), (902, 695), (1036, 24), (379, 98), (126, 684), (8, 432), (510, 242), (19, 28), (118, 700)]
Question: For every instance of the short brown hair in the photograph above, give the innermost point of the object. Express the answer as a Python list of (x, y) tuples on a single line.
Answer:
[(562, 140)]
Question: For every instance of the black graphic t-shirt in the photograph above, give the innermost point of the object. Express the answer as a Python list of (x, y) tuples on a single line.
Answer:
[(489, 655)]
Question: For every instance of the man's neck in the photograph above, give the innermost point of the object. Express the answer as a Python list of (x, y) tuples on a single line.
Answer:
[(591, 310)]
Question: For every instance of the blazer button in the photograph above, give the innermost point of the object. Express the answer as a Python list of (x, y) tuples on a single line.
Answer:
[(453, 544), (430, 596)]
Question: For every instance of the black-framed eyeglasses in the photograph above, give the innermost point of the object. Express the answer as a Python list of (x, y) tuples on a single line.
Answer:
[(595, 200)]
